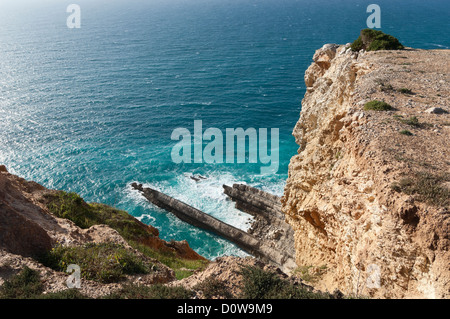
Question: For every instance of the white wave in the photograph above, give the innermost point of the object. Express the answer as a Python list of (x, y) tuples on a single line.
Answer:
[(439, 45), (147, 216), (206, 195)]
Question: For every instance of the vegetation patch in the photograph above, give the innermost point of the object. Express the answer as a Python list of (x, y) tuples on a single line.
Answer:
[(71, 206), (405, 91), (427, 187), (376, 105), (384, 85), (310, 273), (105, 262), (64, 294), (413, 121), (183, 267), (374, 40), (406, 132), (213, 288), (261, 284), (158, 291), (26, 284)]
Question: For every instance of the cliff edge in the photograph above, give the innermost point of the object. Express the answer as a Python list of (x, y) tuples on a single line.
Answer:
[(368, 191)]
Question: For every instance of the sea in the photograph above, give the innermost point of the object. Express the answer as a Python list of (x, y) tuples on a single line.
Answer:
[(92, 109)]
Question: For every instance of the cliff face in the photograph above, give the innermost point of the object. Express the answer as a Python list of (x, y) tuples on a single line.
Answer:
[(374, 239)]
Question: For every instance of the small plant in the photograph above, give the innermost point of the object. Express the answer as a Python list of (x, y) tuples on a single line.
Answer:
[(377, 106), (406, 132), (310, 273), (412, 121), (374, 40), (384, 86), (404, 91)]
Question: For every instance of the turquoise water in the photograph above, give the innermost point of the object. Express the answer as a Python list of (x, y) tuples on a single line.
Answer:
[(91, 110)]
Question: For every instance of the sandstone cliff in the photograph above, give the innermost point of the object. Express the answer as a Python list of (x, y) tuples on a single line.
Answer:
[(367, 194)]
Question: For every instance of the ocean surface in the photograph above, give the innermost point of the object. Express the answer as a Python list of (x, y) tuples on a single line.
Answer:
[(91, 110)]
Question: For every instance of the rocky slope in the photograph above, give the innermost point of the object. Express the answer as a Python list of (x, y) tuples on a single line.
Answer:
[(28, 229), (367, 194)]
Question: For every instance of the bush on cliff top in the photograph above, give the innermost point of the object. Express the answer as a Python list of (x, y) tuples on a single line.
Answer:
[(377, 106), (374, 40)]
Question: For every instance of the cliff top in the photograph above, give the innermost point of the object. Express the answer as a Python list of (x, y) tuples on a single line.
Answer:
[(414, 136)]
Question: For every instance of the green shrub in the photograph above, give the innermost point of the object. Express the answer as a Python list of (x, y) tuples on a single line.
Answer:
[(305, 273), (377, 106), (158, 291), (213, 288), (405, 91), (260, 284), (104, 262), (406, 132), (374, 40), (71, 206), (357, 45), (413, 121), (25, 285), (64, 294)]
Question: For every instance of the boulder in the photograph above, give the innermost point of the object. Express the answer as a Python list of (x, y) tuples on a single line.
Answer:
[(435, 110)]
